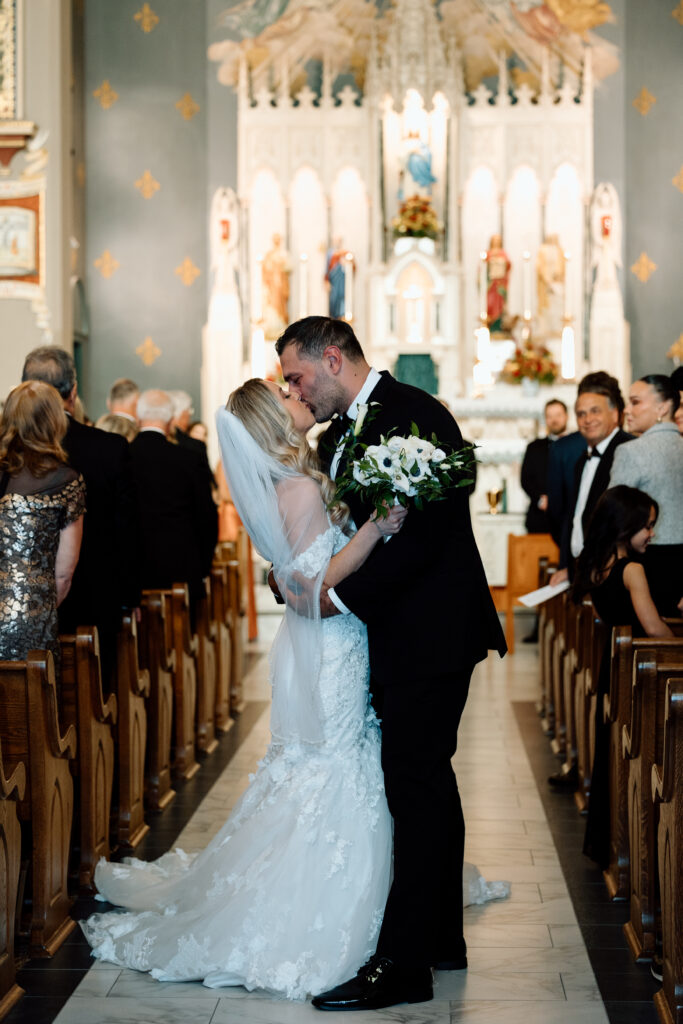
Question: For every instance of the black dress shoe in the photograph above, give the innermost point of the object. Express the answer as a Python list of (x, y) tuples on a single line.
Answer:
[(379, 983), (565, 780)]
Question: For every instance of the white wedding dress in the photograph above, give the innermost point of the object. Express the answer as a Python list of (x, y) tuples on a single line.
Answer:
[(289, 895)]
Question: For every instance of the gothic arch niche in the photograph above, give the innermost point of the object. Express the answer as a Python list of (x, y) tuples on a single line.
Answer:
[(308, 238), (267, 216), (564, 217), (350, 225), (480, 220), (522, 233)]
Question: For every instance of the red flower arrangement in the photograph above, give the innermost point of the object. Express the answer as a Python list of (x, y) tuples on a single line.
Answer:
[(532, 362)]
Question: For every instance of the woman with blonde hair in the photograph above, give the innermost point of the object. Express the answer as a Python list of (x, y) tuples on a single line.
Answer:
[(288, 896), (42, 501), (121, 425)]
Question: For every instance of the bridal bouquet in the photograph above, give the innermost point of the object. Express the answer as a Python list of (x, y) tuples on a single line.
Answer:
[(403, 468)]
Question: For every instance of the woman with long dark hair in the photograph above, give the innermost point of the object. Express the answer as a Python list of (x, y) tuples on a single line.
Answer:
[(653, 463), (610, 569)]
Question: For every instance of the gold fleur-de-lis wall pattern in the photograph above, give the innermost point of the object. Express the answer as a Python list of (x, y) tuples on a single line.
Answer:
[(677, 13), (677, 179), (187, 272), (644, 268), (147, 185), (676, 350), (105, 95), (146, 18), (148, 351), (187, 107), (106, 264), (644, 101)]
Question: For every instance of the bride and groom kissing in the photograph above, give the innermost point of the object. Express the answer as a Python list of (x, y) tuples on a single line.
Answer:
[(298, 893)]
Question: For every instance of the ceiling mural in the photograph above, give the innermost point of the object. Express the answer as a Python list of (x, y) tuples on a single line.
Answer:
[(273, 34)]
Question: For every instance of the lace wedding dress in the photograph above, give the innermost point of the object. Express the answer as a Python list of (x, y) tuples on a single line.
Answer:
[(289, 895)]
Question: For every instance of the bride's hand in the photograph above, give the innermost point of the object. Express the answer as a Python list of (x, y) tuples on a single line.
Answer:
[(392, 523)]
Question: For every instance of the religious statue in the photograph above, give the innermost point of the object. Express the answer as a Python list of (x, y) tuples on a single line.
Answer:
[(224, 237), (550, 274), (336, 267), (275, 271), (497, 276), (415, 176)]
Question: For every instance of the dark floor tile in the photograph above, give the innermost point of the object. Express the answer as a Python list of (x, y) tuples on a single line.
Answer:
[(632, 1013), (604, 936), (633, 985), (41, 983), (35, 1011), (74, 957)]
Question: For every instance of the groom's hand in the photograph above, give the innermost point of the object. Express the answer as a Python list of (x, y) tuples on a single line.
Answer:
[(274, 587), (327, 605)]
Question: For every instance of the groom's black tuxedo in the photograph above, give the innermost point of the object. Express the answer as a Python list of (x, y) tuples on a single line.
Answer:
[(430, 618)]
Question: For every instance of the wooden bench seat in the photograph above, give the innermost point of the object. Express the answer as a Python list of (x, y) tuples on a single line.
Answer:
[(82, 705), (157, 656), (12, 789), (185, 645), (30, 733), (667, 790), (220, 612), (206, 672), (132, 691)]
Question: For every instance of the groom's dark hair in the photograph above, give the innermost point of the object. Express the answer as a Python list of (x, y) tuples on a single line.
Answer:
[(313, 334)]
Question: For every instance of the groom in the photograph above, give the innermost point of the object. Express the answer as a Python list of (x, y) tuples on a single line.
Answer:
[(430, 619)]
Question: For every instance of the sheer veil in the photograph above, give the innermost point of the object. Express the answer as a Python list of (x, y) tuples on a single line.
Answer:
[(285, 516)]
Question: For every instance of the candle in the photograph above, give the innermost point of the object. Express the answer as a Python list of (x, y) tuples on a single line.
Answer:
[(258, 352), (483, 305), (526, 285), (567, 313), (258, 291), (568, 354), (303, 285), (348, 287)]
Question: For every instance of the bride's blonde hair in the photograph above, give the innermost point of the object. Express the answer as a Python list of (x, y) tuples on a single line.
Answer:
[(272, 427)]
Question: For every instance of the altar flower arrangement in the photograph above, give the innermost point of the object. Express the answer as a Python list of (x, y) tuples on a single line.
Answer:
[(401, 469), (532, 363), (416, 219)]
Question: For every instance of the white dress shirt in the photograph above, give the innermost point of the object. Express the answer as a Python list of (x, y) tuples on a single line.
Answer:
[(361, 398), (588, 475)]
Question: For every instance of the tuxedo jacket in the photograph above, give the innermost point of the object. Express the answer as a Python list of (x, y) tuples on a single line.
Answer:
[(107, 577), (598, 487), (177, 517), (423, 594), (534, 479), (562, 459)]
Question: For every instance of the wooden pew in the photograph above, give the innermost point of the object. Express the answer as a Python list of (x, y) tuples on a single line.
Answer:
[(157, 656), (667, 791), (642, 741), (547, 630), (544, 632), (570, 668), (30, 733), (132, 690), (591, 639), (185, 645), (12, 789), (82, 705), (237, 628), (206, 672), (522, 573), (557, 659), (220, 611)]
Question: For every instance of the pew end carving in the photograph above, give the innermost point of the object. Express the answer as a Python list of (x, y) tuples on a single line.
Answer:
[(12, 789), (220, 611), (158, 657), (133, 689), (206, 672), (185, 645)]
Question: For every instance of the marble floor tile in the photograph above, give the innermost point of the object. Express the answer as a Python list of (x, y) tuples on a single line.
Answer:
[(136, 985), (97, 983), (484, 933), (580, 986), (487, 1011), (499, 984), (573, 960), (254, 1010), (137, 1011), (557, 911)]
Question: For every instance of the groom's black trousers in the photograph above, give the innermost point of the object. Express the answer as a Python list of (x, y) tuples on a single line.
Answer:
[(423, 920)]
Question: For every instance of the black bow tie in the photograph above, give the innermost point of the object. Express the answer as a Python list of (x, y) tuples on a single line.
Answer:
[(594, 454)]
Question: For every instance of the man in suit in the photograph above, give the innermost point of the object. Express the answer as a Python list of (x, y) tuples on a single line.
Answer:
[(534, 475), (123, 399), (430, 619), (177, 515), (562, 459), (106, 581), (182, 413)]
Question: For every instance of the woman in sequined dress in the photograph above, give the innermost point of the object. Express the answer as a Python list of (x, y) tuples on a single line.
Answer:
[(42, 501)]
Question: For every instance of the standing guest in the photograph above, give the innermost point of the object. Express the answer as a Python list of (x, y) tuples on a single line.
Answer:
[(562, 458), (677, 381), (121, 425), (610, 569), (42, 501), (199, 431), (106, 580), (174, 513), (535, 466), (654, 464), (123, 399)]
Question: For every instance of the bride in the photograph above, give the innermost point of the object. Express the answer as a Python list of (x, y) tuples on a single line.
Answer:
[(289, 895)]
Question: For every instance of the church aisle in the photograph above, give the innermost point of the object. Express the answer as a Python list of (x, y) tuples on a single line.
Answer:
[(528, 960)]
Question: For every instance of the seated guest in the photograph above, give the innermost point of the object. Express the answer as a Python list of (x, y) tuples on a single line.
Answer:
[(123, 399), (599, 407), (654, 463), (106, 579), (177, 518), (677, 381), (535, 466), (121, 425), (610, 569), (42, 501), (199, 431), (182, 405)]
